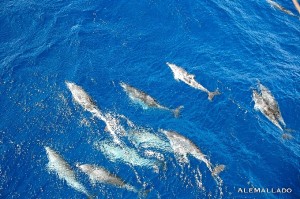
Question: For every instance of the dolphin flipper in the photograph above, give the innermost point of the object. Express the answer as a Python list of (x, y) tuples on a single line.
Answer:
[(143, 193)]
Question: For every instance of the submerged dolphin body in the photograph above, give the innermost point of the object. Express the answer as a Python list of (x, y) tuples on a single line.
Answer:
[(146, 99), (183, 147), (64, 171), (101, 175), (280, 7), (145, 139), (271, 102), (83, 99), (125, 154), (264, 108), (182, 75)]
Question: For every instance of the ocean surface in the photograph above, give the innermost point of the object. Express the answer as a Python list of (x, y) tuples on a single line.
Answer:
[(229, 45)]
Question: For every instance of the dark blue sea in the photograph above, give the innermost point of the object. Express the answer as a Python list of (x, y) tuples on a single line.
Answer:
[(229, 45)]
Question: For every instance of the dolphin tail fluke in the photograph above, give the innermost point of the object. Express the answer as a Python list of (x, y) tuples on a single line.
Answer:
[(218, 169), (287, 130), (143, 193), (159, 165), (287, 136), (176, 111), (90, 196), (211, 95)]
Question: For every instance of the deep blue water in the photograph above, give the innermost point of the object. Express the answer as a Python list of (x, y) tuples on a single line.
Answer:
[(228, 45)]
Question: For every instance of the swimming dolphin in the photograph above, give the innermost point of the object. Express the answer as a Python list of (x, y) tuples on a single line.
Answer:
[(261, 105), (64, 171), (181, 74), (99, 174), (271, 102), (183, 147), (82, 98), (279, 7), (146, 99)]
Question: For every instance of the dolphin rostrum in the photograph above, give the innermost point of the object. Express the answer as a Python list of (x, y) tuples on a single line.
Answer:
[(101, 175), (181, 74), (297, 6), (183, 147), (261, 105), (64, 171), (146, 99), (280, 7)]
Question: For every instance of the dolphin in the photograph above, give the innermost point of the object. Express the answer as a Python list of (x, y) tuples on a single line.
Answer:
[(280, 7), (183, 147), (99, 174), (181, 74), (64, 171), (271, 102), (261, 105), (297, 6), (82, 98), (146, 99)]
